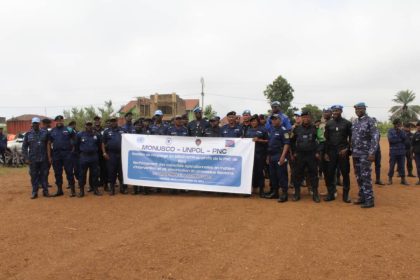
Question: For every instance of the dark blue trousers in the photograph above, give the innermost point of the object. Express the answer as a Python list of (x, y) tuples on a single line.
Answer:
[(258, 171), (400, 161), (114, 168), (39, 172), (278, 176), (417, 159), (378, 158), (60, 162), (93, 166)]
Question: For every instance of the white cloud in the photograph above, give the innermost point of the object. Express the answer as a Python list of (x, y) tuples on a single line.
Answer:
[(64, 53)]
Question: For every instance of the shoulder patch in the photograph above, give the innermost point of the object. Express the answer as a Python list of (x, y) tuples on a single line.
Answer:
[(286, 135)]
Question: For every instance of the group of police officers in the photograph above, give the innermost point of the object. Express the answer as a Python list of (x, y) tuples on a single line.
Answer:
[(309, 148)]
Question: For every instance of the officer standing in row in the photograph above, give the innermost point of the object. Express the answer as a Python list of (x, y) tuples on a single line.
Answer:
[(378, 159), (365, 139), (3, 145), (306, 152), (397, 151), (198, 126), (178, 129), (231, 129), (415, 149), (111, 149), (337, 152), (60, 148), (278, 148), (259, 135), (275, 109), (88, 143), (246, 121), (158, 127), (408, 153), (214, 129), (103, 180), (34, 150)]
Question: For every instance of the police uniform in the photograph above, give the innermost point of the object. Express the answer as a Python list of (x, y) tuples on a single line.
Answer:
[(3, 146), (415, 145), (305, 147), (197, 126), (34, 149), (112, 142), (87, 145), (62, 145), (212, 131), (408, 153), (260, 156), (278, 139), (337, 138), (365, 140), (177, 131), (397, 151), (103, 177), (231, 131)]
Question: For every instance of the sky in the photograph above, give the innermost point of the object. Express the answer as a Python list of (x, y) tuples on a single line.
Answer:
[(58, 54)]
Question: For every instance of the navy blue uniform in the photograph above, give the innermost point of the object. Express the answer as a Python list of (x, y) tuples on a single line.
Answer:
[(285, 122), (3, 146), (408, 153), (158, 129), (278, 138), (260, 155), (197, 127), (112, 142), (415, 146), (34, 149), (231, 131), (378, 159), (87, 145), (397, 151), (61, 139), (177, 131)]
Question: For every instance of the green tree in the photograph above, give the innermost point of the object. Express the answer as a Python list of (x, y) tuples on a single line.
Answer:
[(403, 110), (208, 112), (280, 90), (80, 115), (314, 110)]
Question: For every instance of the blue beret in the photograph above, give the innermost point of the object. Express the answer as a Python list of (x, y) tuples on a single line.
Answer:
[(337, 107), (360, 105), (197, 110)]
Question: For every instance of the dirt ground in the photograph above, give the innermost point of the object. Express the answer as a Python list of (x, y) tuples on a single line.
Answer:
[(207, 236)]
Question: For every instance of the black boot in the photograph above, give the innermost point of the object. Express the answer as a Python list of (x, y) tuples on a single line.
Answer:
[(329, 197), (135, 190), (283, 197), (112, 191), (315, 195), (346, 197), (296, 196), (389, 180), (403, 181), (368, 204), (261, 192), (96, 191), (72, 191), (59, 191), (34, 195), (379, 182), (273, 194), (82, 191), (123, 189)]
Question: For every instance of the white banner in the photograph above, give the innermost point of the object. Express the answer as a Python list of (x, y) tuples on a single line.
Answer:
[(202, 164)]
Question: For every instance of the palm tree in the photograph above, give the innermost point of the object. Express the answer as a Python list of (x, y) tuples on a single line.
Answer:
[(404, 111)]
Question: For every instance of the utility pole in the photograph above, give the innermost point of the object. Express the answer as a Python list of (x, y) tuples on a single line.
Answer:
[(202, 92)]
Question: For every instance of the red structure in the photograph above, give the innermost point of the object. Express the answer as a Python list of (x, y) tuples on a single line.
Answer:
[(22, 123)]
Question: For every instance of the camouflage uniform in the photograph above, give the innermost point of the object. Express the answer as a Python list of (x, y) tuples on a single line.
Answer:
[(365, 141)]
